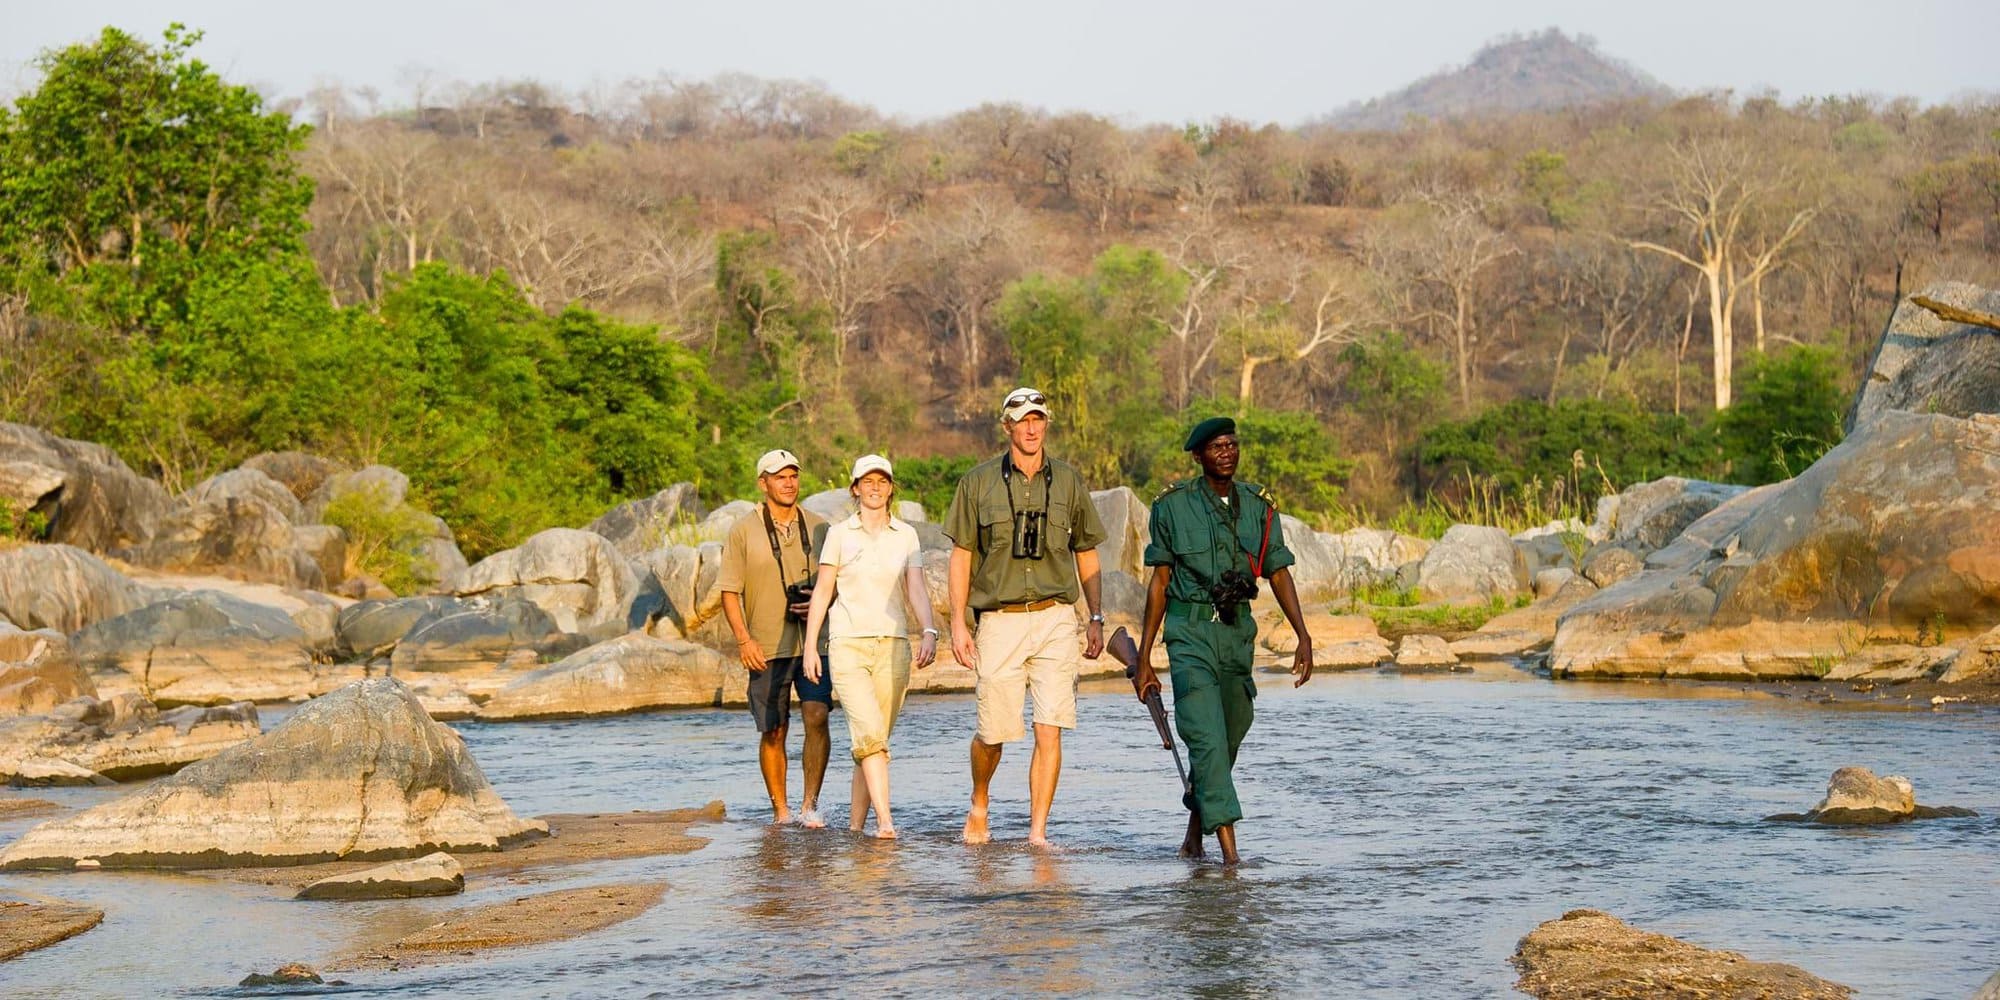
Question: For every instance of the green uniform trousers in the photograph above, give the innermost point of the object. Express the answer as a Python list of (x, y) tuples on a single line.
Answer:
[(1214, 701)]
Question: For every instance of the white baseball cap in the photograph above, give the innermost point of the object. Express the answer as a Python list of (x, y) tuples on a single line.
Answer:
[(776, 460), (870, 463), (1024, 401)]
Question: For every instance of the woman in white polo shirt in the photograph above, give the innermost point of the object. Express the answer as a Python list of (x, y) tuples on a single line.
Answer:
[(871, 576)]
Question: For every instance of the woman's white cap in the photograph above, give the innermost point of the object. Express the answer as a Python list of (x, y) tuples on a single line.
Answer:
[(870, 463)]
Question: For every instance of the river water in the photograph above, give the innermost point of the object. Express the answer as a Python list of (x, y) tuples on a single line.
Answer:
[(1402, 834)]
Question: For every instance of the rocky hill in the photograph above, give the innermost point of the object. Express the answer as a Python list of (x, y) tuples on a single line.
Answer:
[(1524, 73)]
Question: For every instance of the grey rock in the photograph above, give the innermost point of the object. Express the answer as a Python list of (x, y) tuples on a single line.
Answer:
[(434, 874), (37, 671), (1650, 515), (99, 505), (632, 673), (1473, 563), (578, 577), (300, 473), (120, 739), (233, 527), (642, 525), (1856, 797), (833, 505), (203, 647), (1420, 653), (1127, 528), (715, 527), (243, 484), (389, 486), (372, 628), (359, 774), (474, 633), (63, 588), (1612, 564), (1550, 582), (326, 546), (1924, 364)]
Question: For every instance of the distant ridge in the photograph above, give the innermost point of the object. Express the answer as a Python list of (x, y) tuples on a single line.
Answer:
[(1538, 72)]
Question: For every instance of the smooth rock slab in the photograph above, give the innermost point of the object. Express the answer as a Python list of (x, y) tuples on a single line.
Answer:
[(629, 674), (204, 647), (1418, 653), (435, 874), (25, 927), (1590, 955), (359, 774), (62, 588), (120, 739)]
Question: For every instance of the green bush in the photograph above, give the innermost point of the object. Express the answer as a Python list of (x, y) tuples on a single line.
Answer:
[(1786, 415), (384, 539)]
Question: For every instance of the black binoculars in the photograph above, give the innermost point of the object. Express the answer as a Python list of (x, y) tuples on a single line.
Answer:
[(1229, 592), (1028, 526)]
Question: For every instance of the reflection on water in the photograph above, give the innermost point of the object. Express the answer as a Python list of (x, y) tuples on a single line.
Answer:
[(1402, 835)]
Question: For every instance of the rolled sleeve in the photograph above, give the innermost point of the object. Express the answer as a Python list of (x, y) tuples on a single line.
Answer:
[(733, 556), (961, 522), (1086, 529), (1159, 546)]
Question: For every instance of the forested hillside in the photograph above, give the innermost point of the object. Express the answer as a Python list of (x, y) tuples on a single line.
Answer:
[(539, 302)]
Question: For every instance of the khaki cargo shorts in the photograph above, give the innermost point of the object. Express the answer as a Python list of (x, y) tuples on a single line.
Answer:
[(1038, 652)]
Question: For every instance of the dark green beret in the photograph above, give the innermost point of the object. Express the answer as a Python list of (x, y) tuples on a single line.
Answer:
[(1208, 430)]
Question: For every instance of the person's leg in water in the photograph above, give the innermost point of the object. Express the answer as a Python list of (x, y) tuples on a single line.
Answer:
[(1201, 718), (818, 750), (1001, 693), (770, 705), (1044, 770)]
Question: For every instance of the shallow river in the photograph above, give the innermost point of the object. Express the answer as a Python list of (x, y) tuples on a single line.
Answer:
[(1403, 833)]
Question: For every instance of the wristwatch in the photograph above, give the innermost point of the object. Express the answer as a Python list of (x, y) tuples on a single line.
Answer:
[(930, 631), (1097, 619)]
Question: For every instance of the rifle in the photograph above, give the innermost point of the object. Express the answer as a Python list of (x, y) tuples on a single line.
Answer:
[(1124, 650)]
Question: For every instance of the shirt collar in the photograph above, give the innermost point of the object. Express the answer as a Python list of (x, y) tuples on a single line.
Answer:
[(895, 523)]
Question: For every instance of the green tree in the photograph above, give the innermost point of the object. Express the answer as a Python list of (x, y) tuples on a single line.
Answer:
[(1390, 384), (1787, 416), (141, 156), (1589, 445)]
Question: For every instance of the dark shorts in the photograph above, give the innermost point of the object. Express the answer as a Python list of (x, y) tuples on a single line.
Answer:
[(771, 691)]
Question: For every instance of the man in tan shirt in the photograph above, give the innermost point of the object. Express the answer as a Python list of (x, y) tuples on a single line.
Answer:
[(1024, 535), (767, 552)]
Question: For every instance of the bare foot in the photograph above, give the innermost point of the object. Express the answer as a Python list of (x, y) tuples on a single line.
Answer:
[(783, 817), (810, 818), (1041, 840), (975, 827), (885, 833), (1192, 849)]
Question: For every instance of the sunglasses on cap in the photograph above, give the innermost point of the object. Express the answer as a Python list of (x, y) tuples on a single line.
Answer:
[(1034, 398)]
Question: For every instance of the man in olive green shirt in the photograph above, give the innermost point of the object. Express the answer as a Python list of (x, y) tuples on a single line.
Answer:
[(1024, 538), (1212, 538), (768, 550)]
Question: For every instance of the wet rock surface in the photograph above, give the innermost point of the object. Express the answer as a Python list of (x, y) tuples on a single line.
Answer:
[(92, 741), (1591, 955), (25, 927), (435, 874), (362, 773), (1855, 796)]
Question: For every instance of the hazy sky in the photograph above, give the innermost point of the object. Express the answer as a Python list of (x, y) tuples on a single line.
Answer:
[(1139, 60)]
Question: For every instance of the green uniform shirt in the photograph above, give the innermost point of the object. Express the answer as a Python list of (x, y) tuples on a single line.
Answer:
[(982, 520), (1191, 532)]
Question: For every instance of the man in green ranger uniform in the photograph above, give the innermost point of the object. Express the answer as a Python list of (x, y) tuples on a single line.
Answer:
[(1212, 538)]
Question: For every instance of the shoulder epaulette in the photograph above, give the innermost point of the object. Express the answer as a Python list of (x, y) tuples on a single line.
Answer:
[(1172, 487)]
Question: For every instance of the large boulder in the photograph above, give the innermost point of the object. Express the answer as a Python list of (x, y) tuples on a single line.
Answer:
[(474, 634), (373, 628), (247, 484), (1473, 563), (121, 739), (631, 673), (642, 525), (300, 473), (1371, 557), (240, 522), (1590, 955), (203, 647), (37, 672), (715, 527), (62, 588), (387, 486), (1924, 364), (1648, 516), (1892, 529), (91, 498), (1127, 528), (359, 774), (578, 577), (1319, 570)]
